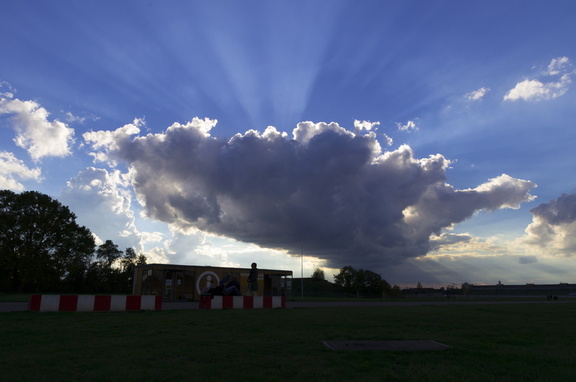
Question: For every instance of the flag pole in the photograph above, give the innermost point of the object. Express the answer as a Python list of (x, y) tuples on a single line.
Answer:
[(302, 271)]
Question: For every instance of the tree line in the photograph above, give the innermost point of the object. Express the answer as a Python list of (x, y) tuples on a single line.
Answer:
[(350, 282), (43, 249)]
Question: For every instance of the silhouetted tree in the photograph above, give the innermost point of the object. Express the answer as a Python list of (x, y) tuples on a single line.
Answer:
[(386, 289), (346, 278), (318, 274), (395, 292), (108, 253), (127, 265), (104, 275), (361, 282), (372, 284), (42, 248)]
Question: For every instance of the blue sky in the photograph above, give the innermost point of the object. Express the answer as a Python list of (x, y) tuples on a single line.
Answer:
[(428, 141)]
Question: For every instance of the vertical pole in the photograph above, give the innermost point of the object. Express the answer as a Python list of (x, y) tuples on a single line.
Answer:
[(302, 271)]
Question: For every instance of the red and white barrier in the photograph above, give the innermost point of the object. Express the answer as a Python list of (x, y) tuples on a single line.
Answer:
[(92, 303), (242, 302)]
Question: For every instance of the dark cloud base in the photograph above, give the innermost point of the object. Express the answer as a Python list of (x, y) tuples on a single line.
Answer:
[(330, 191)]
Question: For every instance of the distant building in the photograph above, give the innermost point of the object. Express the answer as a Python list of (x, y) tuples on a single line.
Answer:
[(422, 291), (186, 282), (561, 289)]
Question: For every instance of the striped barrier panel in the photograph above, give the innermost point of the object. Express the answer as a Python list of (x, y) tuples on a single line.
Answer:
[(92, 303), (242, 302)]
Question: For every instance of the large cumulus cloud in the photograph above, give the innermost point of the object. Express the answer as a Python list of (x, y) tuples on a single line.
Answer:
[(553, 227), (328, 190)]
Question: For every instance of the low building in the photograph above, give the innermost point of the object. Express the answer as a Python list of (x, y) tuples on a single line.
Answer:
[(186, 282), (561, 289)]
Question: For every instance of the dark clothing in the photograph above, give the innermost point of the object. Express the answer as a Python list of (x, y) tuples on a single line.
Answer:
[(218, 291), (233, 283), (232, 288), (253, 279), (224, 281)]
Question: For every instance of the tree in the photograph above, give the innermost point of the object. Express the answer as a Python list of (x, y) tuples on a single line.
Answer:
[(108, 253), (361, 282), (372, 286), (104, 274), (318, 274), (346, 278), (42, 248), (386, 289), (127, 265), (395, 292)]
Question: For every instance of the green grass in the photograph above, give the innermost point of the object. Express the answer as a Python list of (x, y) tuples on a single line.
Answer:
[(431, 298), (24, 297), (516, 342), (14, 297)]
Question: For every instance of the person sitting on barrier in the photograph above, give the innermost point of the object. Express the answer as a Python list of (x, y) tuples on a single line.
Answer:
[(218, 290), (232, 288), (225, 280)]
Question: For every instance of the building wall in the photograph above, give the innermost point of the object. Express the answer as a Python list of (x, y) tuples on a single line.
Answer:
[(186, 282)]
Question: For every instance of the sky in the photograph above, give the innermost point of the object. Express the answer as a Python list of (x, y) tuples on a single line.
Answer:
[(427, 141)]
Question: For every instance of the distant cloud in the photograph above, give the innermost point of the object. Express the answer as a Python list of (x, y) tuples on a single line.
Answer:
[(536, 90), (12, 169), (465, 245), (8, 90), (527, 259), (476, 95), (408, 126), (365, 125), (35, 133), (74, 118), (447, 239), (484, 269), (334, 192), (559, 66), (553, 227), (108, 193)]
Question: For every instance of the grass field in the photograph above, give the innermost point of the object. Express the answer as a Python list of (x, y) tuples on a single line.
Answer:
[(516, 342), (20, 297), (23, 297)]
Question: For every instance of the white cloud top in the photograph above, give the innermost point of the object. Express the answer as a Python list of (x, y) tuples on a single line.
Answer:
[(408, 126), (365, 125), (476, 95), (559, 66), (107, 140), (35, 133), (12, 169), (537, 90)]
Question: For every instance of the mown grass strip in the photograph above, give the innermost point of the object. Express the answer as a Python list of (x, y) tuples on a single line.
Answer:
[(529, 342)]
